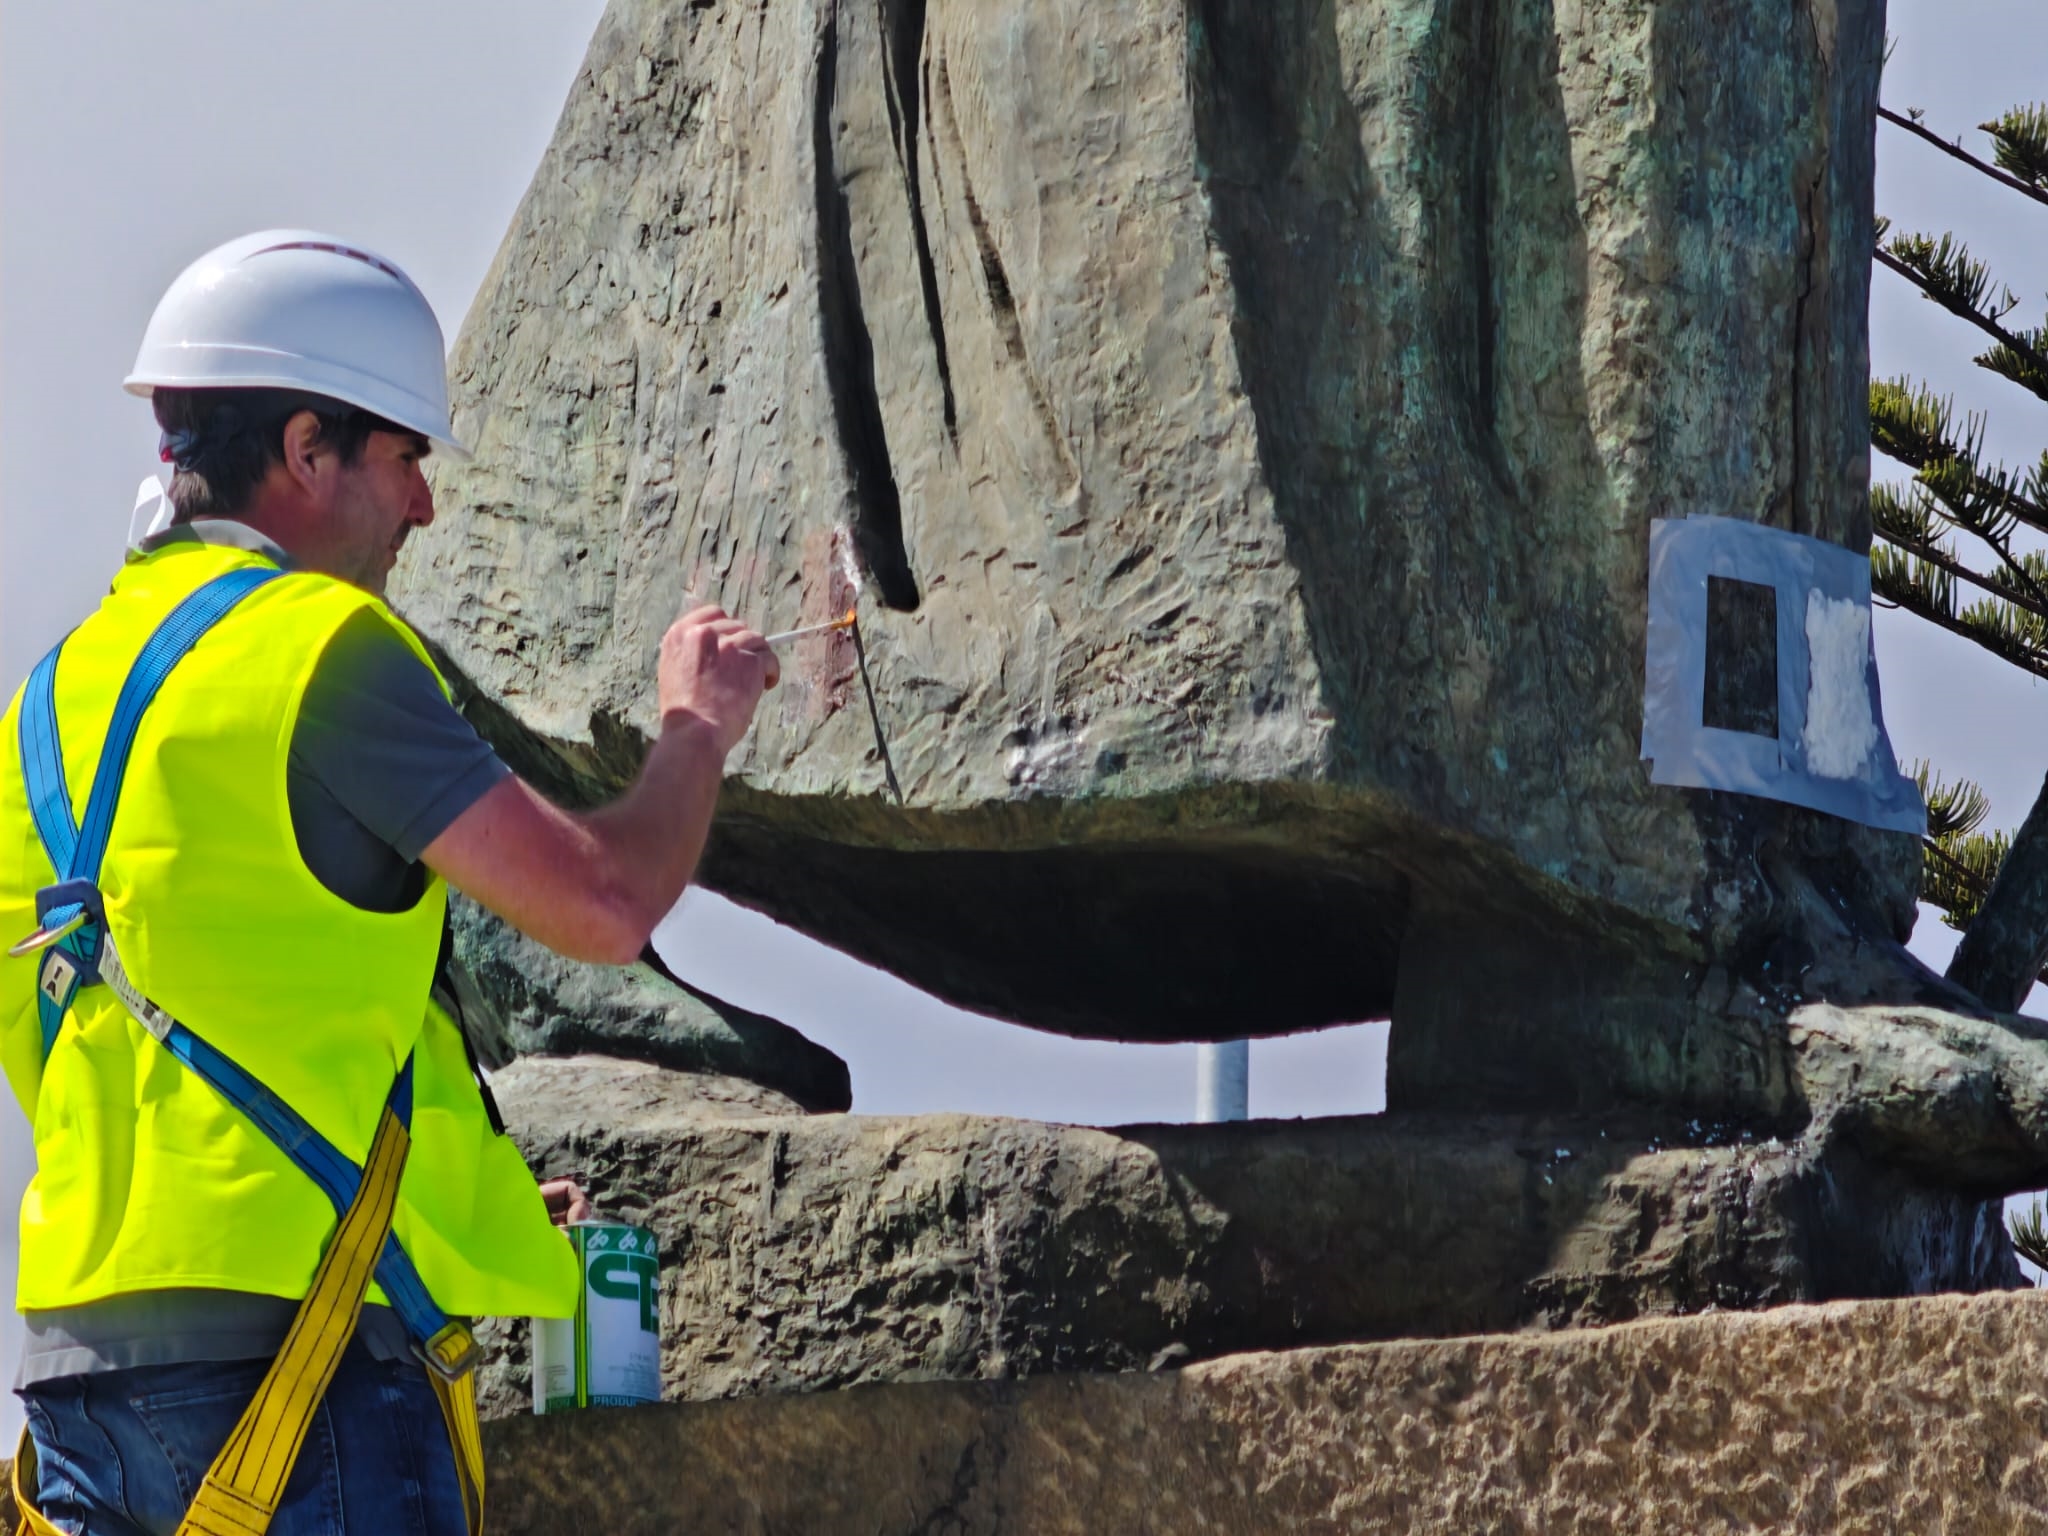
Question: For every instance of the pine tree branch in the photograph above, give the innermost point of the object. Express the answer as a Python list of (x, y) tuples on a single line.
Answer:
[(1952, 885), (1909, 528), (2020, 588), (1942, 560), (2019, 143), (1962, 154), (1945, 504), (2009, 365), (2006, 943), (1962, 872), (1909, 424), (1935, 614), (1993, 888), (1953, 810), (1958, 863), (2028, 597), (1956, 306)]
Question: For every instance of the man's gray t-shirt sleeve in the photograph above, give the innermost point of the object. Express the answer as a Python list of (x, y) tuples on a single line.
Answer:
[(381, 765)]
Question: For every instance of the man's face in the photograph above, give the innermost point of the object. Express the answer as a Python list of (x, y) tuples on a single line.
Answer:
[(377, 501)]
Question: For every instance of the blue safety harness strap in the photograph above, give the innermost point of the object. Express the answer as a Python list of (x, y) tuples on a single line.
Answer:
[(76, 960), (76, 854), (42, 761), (49, 804), (322, 1162)]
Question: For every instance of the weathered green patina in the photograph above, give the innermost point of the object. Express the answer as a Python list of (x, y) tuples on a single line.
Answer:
[(1241, 423)]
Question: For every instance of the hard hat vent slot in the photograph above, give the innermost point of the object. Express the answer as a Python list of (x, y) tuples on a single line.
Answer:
[(367, 258)]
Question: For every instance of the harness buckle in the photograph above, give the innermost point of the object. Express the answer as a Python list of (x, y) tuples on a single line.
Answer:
[(452, 1353)]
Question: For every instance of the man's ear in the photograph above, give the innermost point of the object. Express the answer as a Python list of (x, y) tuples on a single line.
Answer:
[(303, 451)]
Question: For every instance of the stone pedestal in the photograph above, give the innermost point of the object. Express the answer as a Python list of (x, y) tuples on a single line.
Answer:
[(809, 1251), (1859, 1419)]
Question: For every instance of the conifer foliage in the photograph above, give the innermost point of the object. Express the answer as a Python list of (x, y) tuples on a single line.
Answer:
[(1960, 545)]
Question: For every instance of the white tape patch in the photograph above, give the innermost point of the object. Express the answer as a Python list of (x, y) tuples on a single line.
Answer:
[(1828, 750), (1841, 732)]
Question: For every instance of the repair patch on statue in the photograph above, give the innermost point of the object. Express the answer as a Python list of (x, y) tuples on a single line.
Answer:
[(1760, 676)]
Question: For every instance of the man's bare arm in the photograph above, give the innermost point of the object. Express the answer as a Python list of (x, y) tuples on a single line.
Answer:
[(592, 885), (589, 886)]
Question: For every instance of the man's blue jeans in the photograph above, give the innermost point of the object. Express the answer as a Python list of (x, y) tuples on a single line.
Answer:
[(121, 1453)]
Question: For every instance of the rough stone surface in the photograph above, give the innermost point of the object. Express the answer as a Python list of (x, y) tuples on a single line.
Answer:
[(520, 999), (588, 1097), (588, 1103), (1857, 1419), (1243, 422), (820, 1251)]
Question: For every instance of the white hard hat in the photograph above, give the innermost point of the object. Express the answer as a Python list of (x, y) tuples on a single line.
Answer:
[(290, 309)]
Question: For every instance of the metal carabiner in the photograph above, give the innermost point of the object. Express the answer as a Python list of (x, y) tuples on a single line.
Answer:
[(43, 938)]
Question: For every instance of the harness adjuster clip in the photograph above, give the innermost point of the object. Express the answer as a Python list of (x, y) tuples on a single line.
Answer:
[(452, 1353), (71, 893)]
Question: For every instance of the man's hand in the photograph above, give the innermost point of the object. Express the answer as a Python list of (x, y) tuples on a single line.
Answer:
[(592, 884), (714, 670), (566, 1201)]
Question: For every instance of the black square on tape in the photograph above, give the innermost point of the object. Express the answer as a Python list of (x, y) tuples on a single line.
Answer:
[(1742, 657)]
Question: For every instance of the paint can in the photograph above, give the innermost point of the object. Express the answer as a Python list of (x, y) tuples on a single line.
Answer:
[(609, 1354)]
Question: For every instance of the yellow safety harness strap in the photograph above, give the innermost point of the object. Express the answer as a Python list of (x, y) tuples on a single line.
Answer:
[(243, 1487), (32, 1521), (458, 1407)]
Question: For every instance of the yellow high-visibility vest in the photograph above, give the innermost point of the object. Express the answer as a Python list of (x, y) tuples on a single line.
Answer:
[(146, 1177)]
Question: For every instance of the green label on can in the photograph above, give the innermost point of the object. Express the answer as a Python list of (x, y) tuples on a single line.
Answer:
[(609, 1353)]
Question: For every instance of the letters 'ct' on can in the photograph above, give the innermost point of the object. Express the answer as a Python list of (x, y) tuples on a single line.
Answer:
[(609, 1353)]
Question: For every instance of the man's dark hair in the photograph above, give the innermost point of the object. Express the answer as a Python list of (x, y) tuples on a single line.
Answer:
[(222, 442)]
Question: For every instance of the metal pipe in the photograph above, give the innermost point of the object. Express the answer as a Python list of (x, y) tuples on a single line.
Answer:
[(1223, 1072)]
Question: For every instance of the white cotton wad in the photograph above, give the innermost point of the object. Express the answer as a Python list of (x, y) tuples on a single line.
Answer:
[(153, 511), (1841, 730), (842, 547)]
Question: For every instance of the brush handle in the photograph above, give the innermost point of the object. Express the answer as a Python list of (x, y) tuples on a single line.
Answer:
[(846, 622)]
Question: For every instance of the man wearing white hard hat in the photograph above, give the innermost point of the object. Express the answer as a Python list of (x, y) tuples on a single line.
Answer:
[(271, 1190)]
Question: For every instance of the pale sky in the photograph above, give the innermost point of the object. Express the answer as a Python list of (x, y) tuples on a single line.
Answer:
[(135, 135)]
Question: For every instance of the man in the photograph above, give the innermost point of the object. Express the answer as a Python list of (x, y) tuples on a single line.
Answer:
[(296, 799)]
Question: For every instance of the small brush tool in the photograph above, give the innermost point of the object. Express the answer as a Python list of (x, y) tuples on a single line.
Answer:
[(845, 621)]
